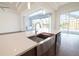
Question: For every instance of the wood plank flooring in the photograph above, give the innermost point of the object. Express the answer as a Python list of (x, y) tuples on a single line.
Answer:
[(69, 45)]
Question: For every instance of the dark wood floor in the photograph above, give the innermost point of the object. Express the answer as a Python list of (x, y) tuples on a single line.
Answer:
[(69, 45)]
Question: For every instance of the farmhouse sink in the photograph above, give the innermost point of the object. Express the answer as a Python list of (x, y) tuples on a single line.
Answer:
[(40, 37)]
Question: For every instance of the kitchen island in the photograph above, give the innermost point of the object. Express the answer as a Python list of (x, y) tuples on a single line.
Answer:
[(17, 44)]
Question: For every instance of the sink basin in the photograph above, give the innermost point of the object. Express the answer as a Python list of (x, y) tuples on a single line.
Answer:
[(44, 35), (35, 38), (40, 37)]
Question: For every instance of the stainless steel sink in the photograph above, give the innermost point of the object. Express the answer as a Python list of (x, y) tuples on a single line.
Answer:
[(35, 38), (39, 37), (42, 36)]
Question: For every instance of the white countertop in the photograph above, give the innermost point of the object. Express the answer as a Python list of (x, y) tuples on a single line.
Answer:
[(15, 44)]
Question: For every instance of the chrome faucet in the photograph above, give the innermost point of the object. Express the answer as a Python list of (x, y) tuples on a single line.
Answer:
[(36, 29)]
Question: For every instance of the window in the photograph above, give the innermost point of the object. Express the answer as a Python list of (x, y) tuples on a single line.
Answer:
[(70, 21), (43, 18)]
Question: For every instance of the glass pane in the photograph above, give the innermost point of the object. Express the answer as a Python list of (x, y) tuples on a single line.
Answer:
[(45, 22), (70, 22)]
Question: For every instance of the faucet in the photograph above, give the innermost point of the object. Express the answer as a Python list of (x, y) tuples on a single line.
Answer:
[(35, 27)]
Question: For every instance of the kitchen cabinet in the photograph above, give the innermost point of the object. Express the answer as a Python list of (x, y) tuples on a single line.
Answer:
[(47, 48)]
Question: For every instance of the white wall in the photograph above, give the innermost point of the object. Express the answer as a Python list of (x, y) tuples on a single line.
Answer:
[(69, 7), (9, 21)]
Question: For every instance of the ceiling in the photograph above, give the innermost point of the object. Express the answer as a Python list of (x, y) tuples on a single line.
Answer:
[(22, 5), (56, 5), (12, 5)]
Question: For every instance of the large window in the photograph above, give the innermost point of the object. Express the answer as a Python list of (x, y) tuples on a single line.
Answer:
[(70, 21), (41, 17)]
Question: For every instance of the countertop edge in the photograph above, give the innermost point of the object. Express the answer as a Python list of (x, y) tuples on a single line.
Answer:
[(26, 50)]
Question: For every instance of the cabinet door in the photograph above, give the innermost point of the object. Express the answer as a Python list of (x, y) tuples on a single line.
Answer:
[(47, 48), (51, 51), (41, 49)]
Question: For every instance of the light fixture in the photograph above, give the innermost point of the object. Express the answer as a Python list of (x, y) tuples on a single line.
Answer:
[(28, 5)]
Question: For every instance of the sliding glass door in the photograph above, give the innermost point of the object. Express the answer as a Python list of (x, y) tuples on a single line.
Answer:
[(69, 22)]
